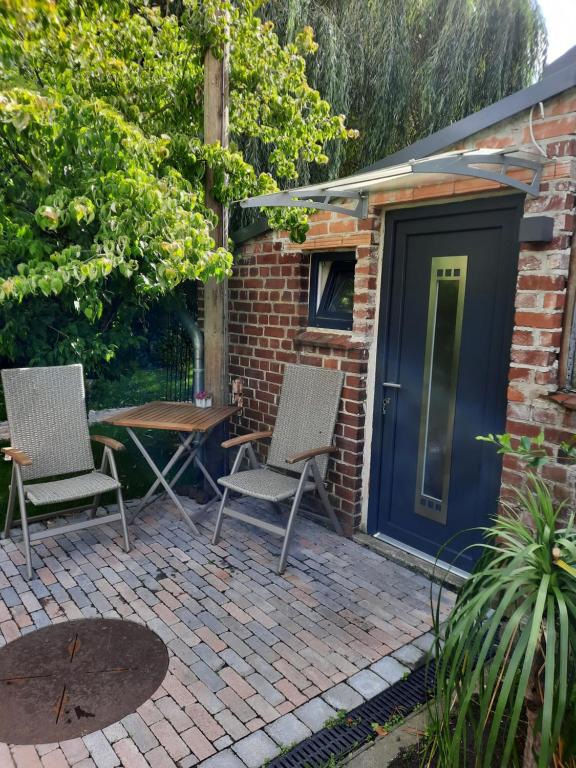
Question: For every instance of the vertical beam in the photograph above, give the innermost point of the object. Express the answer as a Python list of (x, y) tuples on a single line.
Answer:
[(216, 75)]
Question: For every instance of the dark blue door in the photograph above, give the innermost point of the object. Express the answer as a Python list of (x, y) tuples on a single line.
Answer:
[(443, 353)]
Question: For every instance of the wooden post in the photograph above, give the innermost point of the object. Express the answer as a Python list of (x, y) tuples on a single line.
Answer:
[(216, 73)]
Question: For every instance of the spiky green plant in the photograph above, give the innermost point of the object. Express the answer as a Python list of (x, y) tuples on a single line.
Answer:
[(508, 651)]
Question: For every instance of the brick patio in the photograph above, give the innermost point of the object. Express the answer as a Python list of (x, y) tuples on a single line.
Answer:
[(257, 660)]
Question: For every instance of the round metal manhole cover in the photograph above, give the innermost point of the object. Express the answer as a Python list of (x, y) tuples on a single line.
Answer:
[(73, 678)]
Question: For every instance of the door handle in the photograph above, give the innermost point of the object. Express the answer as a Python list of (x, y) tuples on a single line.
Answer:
[(386, 400)]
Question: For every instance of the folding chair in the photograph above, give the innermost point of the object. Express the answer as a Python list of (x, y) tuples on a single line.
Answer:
[(49, 435), (299, 451)]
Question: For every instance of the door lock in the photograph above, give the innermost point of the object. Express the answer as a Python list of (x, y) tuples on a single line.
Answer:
[(386, 399)]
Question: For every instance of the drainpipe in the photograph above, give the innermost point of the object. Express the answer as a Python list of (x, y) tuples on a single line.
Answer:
[(193, 330)]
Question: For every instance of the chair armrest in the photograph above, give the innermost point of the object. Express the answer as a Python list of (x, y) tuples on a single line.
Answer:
[(296, 457), (109, 442), (18, 456), (250, 438)]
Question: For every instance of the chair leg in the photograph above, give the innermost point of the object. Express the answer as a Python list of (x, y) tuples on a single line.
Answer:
[(252, 458), (95, 505), (292, 519), (98, 497), (109, 458), (24, 520), (124, 522), (324, 498), (276, 507), (11, 504), (220, 518)]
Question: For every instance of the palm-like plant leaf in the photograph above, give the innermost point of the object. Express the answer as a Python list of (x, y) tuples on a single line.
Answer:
[(513, 626)]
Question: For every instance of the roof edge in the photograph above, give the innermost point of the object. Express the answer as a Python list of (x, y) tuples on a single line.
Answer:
[(258, 227), (550, 86)]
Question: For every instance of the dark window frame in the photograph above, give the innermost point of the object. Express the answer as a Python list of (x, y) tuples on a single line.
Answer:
[(318, 314)]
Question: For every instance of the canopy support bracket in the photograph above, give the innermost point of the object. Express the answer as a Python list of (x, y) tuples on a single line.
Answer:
[(320, 200), (465, 165)]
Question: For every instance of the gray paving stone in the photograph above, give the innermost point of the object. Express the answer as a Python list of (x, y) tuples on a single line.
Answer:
[(343, 697), (183, 651), (140, 733), (236, 662), (225, 759), (409, 655), (265, 689), (100, 750), (367, 683), (236, 644), (164, 632), (264, 668), (425, 642), (315, 713), (115, 732), (214, 660), (208, 676), (191, 620), (288, 730), (222, 743), (210, 621), (256, 749), (231, 724), (40, 619), (389, 669)]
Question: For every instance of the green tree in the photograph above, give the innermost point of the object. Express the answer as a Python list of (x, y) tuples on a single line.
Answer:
[(401, 69), (103, 163)]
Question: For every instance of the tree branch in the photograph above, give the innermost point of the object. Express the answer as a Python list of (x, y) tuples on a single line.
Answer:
[(16, 155)]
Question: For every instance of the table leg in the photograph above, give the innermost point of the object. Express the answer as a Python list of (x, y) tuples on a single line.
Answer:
[(161, 476), (209, 478), (192, 453), (199, 463), (181, 449)]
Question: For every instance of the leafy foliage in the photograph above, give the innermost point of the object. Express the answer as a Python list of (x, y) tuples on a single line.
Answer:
[(401, 69), (102, 208), (508, 648)]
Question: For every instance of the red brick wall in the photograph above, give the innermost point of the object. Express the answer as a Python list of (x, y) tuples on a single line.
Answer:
[(543, 270), (268, 319), (269, 306)]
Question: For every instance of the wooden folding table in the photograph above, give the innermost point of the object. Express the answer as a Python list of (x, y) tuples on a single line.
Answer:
[(190, 422)]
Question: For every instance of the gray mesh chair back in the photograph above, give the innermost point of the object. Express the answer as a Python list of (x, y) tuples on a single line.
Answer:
[(303, 430), (47, 418), (306, 414)]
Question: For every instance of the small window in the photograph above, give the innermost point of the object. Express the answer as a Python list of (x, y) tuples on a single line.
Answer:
[(332, 290)]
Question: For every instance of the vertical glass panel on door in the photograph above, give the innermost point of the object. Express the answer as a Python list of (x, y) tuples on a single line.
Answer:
[(442, 351)]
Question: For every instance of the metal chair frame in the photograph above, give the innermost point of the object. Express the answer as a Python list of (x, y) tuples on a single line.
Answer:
[(311, 476), (22, 462)]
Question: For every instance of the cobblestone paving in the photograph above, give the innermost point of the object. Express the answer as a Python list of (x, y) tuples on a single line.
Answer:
[(257, 661)]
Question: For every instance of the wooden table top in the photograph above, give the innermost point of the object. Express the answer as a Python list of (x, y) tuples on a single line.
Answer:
[(179, 417)]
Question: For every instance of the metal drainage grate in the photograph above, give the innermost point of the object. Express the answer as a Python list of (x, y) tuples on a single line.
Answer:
[(338, 741), (76, 677)]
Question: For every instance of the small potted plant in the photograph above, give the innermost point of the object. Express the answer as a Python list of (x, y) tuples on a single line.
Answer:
[(203, 399)]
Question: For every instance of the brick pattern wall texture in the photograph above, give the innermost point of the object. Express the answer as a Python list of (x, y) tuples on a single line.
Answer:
[(268, 319), (269, 308)]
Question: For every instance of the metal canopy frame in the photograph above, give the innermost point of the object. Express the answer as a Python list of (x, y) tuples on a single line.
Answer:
[(491, 164), (321, 201), (464, 165)]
